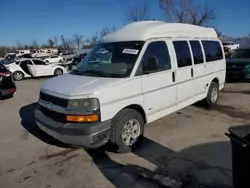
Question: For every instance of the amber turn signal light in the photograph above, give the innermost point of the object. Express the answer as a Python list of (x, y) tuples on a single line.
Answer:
[(80, 119)]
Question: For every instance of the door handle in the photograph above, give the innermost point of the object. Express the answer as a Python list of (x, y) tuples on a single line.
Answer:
[(173, 76), (192, 72)]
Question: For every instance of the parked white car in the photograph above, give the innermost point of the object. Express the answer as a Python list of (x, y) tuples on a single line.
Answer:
[(25, 68), (54, 59), (155, 70), (231, 46)]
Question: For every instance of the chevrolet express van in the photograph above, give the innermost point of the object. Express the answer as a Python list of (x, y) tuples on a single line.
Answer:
[(132, 77)]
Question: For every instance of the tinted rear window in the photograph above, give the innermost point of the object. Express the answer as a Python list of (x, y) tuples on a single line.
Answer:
[(213, 50), (182, 52), (197, 51)]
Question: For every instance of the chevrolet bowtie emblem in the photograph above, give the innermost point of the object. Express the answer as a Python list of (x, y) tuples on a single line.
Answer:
[(49, 106)]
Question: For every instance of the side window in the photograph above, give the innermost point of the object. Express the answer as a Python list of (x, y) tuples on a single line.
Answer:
[(159, 51), (182, 52), (27, 62), (37, 62), (212, 50), (197, 51)]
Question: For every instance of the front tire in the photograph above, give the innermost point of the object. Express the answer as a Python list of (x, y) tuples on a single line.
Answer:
[(18, 75), (126, 129), (212, 95), (58, 72)]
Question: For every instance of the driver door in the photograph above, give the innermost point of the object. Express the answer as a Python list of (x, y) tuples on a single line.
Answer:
[(32, 70), (28, 67)]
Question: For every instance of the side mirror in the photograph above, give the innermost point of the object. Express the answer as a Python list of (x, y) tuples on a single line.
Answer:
[(150, 65), (46, 63)]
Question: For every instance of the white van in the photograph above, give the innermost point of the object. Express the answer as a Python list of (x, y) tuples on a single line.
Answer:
[(147, 70)]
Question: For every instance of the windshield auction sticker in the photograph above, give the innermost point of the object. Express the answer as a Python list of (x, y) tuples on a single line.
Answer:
[(130, 51)]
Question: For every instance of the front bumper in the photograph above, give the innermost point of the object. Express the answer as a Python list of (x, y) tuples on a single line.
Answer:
[(8, 92), (236, 75), (88, 135)]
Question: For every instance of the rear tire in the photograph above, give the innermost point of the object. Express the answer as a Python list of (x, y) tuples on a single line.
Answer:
[(18, 75), (127, 127), (58, 72), (212, 95)]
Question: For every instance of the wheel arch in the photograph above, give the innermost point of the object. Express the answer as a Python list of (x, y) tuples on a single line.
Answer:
[(139, 109), (56, 68), (216, 80), (21, 71)]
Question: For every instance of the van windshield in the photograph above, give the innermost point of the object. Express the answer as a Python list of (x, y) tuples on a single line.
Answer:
[(110, 60)]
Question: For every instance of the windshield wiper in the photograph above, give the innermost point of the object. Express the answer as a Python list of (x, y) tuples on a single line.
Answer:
[(96, 72)]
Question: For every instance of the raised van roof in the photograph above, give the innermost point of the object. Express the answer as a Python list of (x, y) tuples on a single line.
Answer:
[(144, 30)]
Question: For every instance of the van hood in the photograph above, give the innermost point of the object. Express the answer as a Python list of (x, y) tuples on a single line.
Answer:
[(72, 86)]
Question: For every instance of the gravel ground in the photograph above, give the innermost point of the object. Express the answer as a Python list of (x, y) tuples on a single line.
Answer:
[(175, 145)]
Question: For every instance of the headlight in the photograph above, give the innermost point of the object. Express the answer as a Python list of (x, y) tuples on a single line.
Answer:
[(88, 105)]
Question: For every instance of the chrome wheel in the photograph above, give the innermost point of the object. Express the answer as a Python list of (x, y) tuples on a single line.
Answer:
[(214, 95), (131, 132), (18, 76)]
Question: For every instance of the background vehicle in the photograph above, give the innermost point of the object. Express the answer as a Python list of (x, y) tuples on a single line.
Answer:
[(7, 85), (54, 59), (25, 56), (231, 46), (72, 63), (238, 65), (25, 68)]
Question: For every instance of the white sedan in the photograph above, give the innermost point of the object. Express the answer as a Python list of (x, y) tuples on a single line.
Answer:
[(54, 59), (25, 68)]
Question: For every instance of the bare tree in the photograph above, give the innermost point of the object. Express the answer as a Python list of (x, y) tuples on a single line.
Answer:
[(34, 44), (64, 43), (55, 41), (51, 42), (19, 45), (94, 40), (219, 33), (186, 11), (106, 31), (3, 51), (70, 43), (78, 40), (138, 13)]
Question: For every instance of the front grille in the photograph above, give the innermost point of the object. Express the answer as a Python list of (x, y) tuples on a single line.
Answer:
[(53, 115), (54, 100), (235, 68)]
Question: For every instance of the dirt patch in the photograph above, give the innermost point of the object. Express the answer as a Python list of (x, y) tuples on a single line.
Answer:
[(58, 154), (61, 173), (232, 112), (215, 136), (66, 159), (14, 169), (247, 92)]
